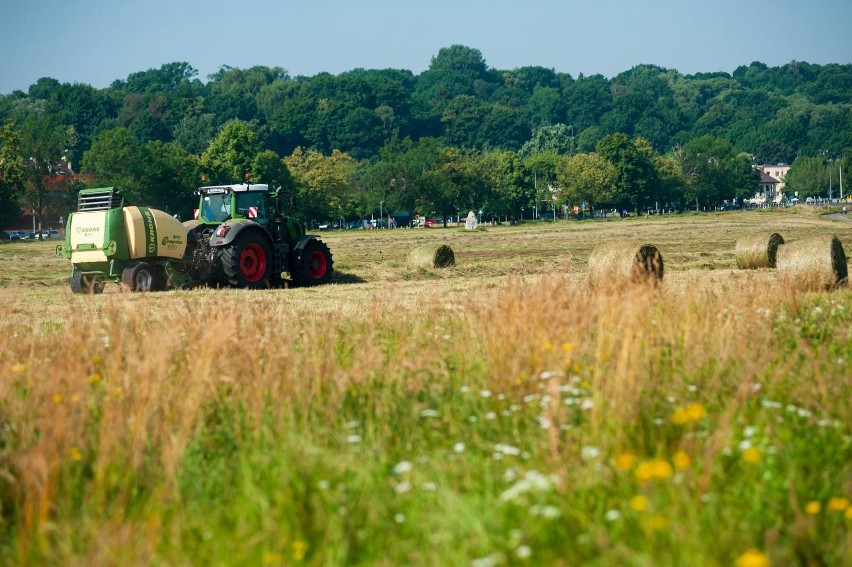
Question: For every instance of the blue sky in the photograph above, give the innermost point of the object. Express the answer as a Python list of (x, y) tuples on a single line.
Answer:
[(99, 41)]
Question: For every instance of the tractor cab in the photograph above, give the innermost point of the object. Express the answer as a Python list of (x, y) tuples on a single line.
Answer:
[(219, 203)]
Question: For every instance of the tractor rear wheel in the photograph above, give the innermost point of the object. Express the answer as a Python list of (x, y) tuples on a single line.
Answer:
[(315, 265), (84, 284), (141, 277), (247, 262)]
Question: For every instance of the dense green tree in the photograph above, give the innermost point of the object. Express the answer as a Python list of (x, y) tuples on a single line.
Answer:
[(43, 144), (118, 159), (556, 138), (808, 176), (169, 178), (588, 99), (269, 168), (587, 178), (632, 160), (715, 172), (325, 183), (11, 174), (230, 156), (511, 189), (462, 119)]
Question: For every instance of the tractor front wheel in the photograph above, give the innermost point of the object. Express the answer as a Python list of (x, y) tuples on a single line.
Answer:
[(247, 262), (84, 284), (141, 277), (315, 265)]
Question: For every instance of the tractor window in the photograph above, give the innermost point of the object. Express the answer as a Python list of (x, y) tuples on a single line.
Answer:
[(251, 205), (216, 208)]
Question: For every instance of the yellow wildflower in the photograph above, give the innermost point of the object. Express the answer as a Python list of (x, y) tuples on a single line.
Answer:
[(18, 368), (118, 392), (270, 558), (644, 472), (752, 455), (567, 347), (75, 454), (94, 378), (624, 461), (639, 503), (679, 416), (696, 412), (662, 469), (753, 558), (657, 469), (548, 345), (837, 504), (299, 548), (57, 399), (813, 507), (654, 523), (681, 460), (95, 358), (692, 412), (585, 385), (848, 513)]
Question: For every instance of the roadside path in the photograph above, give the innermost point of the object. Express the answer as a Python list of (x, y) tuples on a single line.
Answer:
[(839, 217)]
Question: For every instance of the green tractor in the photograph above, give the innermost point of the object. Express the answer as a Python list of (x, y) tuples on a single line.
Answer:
[(239, 238)]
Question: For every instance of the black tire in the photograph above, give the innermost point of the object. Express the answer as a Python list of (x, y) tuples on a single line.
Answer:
[(141, 277), (315, 266), (247, 261), (84, 284)]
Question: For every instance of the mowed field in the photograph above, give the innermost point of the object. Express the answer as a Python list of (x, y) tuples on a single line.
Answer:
[(499, 412)]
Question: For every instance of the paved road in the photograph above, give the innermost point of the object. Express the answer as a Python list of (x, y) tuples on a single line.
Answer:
[(837, 216)]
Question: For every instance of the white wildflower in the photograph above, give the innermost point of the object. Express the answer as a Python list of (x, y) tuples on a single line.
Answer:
[(612, 515), (402, 467), (507, 449), (428, 413), (458, 447), (590, 452)]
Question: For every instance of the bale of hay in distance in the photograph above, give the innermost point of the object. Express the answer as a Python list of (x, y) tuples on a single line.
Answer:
[(758, 250), (814, 263), (432, 256), (621, 263)]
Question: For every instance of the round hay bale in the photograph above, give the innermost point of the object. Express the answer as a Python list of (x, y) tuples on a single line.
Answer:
[(432, 256), (758, 250), (814, 263), (621, 263)]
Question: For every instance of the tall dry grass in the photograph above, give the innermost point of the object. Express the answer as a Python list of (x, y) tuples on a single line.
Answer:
[(130, 426)]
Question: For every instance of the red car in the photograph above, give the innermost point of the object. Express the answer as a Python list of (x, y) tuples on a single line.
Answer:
[(433, 222)]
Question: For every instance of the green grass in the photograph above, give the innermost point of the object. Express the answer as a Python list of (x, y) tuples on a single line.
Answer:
[(498, 412)]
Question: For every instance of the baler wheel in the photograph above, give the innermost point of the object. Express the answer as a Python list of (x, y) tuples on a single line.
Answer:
[(141, 277), (84, 284)]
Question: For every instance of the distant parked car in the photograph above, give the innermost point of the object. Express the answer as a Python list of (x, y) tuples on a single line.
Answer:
[(11, 235), (433, 222), (45, 234)]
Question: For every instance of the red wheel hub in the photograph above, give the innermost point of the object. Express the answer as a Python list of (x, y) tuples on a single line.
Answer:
[(317, 264), (252, 262)]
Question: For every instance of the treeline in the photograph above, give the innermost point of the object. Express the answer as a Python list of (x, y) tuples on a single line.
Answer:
[(458, 136)]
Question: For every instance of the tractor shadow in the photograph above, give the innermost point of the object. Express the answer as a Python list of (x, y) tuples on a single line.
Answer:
[(337, 278), (344, 278)]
